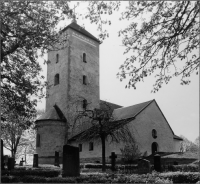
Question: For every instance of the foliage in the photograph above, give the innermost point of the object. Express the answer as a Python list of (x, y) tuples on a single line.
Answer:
[(38, 172), (130, 153), (27, 29), (154, 177), (162, 38), (12, 130), (185, 168), (189, 146), (103, 126), (26, 144)]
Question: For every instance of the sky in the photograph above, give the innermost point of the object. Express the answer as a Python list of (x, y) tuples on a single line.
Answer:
[(179, 104)]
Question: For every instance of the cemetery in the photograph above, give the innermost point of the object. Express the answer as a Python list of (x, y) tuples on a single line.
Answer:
[(79, 137), (72, 171)]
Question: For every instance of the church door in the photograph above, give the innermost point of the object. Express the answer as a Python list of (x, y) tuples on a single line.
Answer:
[(154, 147)]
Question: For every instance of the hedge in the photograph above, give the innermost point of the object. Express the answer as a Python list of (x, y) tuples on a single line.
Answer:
[(185, 168), (176, 177), (44, 173)]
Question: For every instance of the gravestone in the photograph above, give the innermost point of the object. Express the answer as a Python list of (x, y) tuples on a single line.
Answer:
[(2, 156), (71, 161), (143, 166), (57, 159), (157, 163), (11, 163), (35, 160), (113, 160), (21, 162)]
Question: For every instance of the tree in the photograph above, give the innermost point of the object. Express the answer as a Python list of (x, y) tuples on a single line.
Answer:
[(12, 130), (27, 29), (130, 153), (162, 38), (27, 144), (188, 146), (103, 126)]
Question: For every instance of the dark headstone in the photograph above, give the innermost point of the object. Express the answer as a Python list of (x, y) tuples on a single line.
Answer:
[(11, 163), (144, 166), (2, 156), (157, 163), (57, 159), (71, 161), (5, 160), (35, 160), (113, 160)]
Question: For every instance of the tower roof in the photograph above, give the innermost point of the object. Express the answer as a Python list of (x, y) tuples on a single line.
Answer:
[(81, 30), (53, 113)]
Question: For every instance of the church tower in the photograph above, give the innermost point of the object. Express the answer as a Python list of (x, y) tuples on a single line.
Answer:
[(73, 80)]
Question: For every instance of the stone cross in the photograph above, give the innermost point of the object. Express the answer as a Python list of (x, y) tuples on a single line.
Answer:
[(21, 162), (113, 157)]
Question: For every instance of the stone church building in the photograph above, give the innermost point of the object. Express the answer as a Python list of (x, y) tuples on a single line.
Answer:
[(73, 73)]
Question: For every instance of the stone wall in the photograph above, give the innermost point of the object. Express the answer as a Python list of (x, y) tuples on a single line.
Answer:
[(52, 136)]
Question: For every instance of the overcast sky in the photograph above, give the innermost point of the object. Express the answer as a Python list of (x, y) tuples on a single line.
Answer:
[(179, 104)]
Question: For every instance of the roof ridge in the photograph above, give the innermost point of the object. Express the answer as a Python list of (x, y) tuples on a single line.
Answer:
[(81, 30)]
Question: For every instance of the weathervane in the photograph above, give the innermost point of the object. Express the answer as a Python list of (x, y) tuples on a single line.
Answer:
[(74, 16)]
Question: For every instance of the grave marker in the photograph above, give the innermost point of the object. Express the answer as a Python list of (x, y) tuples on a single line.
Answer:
[(35, 160), (21, 162), (113, 160), (11, 163), (57, 159), (143, 166), (71, 161), (157, 163), (2, 156)]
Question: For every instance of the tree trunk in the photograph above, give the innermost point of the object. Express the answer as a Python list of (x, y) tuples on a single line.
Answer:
[(103, 153)]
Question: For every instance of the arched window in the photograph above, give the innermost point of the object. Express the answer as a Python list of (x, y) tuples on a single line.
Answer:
[(84, 104), (84, 80), (84, 58), (56, 79), (154, 133), (91, 146), (38, 140), (57, 58)]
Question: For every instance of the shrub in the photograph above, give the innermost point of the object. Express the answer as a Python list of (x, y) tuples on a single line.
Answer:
[(10, 179), (181, 177), (44, 173), (186, 168)]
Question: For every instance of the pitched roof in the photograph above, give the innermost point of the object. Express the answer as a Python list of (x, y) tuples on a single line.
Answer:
[(111, 105), (177, 137), (131, 111), (81, 30), (52, 114)]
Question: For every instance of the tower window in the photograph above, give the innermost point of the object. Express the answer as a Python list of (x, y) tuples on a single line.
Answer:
[(84, 58), (84, 80), (84, 104), (56, 79), (154, 133), (91, 146), (80, 147), (57, 58), (38, 140)]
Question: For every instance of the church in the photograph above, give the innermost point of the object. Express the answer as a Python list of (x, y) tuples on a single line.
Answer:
[(73, 73)]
